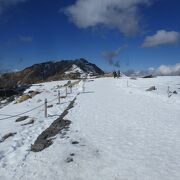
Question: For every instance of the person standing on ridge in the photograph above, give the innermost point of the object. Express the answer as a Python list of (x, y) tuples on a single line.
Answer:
[(114, 74)]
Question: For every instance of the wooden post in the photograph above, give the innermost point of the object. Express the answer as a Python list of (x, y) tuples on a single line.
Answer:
[(66, 91), (58, 96), (168, 91), (45, 106)]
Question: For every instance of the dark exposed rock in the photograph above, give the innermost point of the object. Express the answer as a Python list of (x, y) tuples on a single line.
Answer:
[(152, 88), (44, 140), (174, 92), (10, 99), (7, 136), (149, 76), (75, 142), (22, 118), (50, 106)]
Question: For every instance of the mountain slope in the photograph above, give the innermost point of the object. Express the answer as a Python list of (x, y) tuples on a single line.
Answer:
[(47, 71)]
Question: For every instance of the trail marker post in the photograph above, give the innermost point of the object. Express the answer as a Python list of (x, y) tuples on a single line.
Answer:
[(168, 91), (59, 97), (45, 106), (66, 91)]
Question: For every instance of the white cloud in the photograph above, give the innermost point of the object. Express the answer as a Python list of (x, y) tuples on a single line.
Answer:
[(163, 70), (166, 70), (161, 37), (120, 14), (4, 4)]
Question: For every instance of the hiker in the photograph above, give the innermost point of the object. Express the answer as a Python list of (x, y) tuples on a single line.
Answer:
[(118, 74), (114, 74)]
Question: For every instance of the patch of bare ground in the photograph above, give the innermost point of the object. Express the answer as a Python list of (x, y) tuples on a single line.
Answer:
[(44, 140), (6, 136)]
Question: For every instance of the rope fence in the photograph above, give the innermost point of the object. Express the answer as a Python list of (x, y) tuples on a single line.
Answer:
[(18, 115), (45, 104)]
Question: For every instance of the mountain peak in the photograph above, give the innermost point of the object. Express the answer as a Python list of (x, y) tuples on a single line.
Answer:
[(50, 70)]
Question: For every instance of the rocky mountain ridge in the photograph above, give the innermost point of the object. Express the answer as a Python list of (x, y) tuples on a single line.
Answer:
[(47, 71)]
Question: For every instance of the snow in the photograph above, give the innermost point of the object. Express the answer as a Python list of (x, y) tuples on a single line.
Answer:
[(15, 149), (75, 69), (124, 132)]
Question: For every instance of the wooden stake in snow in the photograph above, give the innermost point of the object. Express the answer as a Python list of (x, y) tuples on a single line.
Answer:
[(66, 91), (168, 92), (58, 96), (45, 106)]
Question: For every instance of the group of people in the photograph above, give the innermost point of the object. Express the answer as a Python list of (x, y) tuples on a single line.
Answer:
[(116, 74)]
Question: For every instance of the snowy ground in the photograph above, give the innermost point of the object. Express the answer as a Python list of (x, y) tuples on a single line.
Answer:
[(123, 133)]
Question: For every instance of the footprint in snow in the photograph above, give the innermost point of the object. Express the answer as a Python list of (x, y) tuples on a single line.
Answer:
[(69, 159)]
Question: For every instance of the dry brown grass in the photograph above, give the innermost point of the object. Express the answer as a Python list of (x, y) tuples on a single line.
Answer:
[(23, 98)]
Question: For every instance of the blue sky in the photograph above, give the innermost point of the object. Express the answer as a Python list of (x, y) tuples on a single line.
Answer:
[(138, 34)]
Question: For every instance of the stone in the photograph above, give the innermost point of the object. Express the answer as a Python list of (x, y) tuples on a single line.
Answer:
[(7, 136), (149, 76), (75, 142), (22, 118), (152, 88)]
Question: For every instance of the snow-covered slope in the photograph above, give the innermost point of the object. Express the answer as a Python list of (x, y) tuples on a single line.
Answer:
[(121, 132), (81, 73), (76, 70), (14, 150)]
